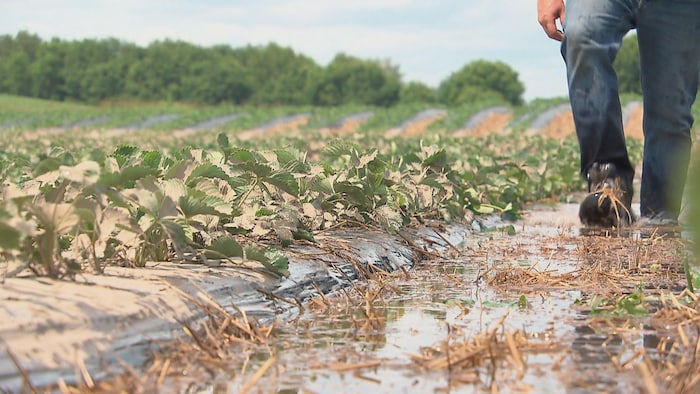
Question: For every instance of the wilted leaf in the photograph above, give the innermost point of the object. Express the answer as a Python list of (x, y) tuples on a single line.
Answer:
[(362, 161), (173, 188), (86, 172), (59, 218), (155, 204)]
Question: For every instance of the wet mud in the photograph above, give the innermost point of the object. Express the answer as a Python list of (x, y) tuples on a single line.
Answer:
[(530, 306)]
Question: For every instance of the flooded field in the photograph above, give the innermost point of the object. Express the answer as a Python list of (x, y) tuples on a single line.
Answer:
[(532, 307)]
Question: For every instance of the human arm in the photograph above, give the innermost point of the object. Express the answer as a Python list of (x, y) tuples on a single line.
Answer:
[(548, 11)]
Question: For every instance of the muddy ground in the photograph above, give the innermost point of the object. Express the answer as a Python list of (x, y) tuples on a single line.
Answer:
[(527, 307)]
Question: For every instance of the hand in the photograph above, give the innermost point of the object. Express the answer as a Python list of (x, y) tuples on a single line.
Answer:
[(548, 11)]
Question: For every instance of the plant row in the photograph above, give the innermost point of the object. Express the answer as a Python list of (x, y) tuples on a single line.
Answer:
[(63, 212)]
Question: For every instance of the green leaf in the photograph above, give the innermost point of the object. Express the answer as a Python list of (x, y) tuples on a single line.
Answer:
[(272, 259), (522, 302), (260, 170), (303, 234), (222, 141), (278, 260), (285, 157), (437, 161), (224, 247), (207, 171), (264, 211), (193, 206), (432, 181), (9, 236), (152, 158), (125, 151), (285, 181), (176, 233), (47, 165), (248, 161), (355, 194), (155, 203), (339, 148), (126, 177)]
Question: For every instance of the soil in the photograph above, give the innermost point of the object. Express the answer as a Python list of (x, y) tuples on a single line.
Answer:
[(563, 125), (418, 127), (347, 127), (633, 126), (560, 127), (291, 125), (494, 122)]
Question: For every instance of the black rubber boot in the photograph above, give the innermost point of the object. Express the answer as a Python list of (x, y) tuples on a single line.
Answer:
[(609, 202)]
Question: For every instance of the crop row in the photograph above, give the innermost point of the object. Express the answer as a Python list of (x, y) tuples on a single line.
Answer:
[(83, 199)]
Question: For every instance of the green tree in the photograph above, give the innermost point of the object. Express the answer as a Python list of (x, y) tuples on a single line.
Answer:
[(349, 80), (158, 74), (105, 76), (479, 79), (102, 81), (19, 79), (16, 56), (213, 80), (417, 92), (627, 66), (47, 71), (278, 75)]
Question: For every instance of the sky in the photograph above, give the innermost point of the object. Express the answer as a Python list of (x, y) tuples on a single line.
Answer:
[(427, 39)]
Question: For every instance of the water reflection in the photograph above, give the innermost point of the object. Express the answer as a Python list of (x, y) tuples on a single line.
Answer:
[(363, 346)]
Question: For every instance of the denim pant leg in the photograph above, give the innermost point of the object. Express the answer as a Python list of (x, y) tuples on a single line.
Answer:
[(669, 44), (593, 32)]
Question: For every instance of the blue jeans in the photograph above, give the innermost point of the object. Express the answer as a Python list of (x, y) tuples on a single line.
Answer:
[(668, 32)]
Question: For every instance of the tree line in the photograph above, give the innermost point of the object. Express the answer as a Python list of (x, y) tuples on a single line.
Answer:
[(94, 70)]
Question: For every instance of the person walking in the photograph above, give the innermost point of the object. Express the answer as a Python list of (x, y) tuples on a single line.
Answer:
[(591, 33)]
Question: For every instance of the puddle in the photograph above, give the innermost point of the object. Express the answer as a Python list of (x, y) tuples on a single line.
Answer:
[(500, 313)]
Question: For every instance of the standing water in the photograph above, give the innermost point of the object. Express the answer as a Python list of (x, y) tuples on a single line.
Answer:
[(526, 307)]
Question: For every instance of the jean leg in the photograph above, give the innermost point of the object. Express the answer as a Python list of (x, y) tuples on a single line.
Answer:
[(669, 47), (593, 33)]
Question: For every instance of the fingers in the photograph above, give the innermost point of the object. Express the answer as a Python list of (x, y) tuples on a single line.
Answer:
[(550, 27), (549, 11)]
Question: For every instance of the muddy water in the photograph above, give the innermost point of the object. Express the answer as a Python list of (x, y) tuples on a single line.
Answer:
[(368, 339)]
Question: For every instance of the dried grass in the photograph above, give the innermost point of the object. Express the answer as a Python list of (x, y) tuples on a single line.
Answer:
[(494, 355)]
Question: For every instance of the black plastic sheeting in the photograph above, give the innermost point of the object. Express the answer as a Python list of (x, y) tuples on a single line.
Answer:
[(328, 271)]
